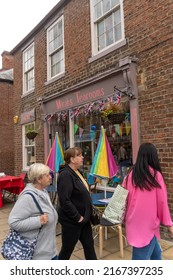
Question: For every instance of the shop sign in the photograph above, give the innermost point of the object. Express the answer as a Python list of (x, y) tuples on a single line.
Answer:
[(27, 117), (95, 91)]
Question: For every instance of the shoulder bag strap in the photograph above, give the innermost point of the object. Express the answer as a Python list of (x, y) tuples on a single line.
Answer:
[(39, 208), (36, 202)]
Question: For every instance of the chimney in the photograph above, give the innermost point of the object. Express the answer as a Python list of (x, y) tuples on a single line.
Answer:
[(7, 60)]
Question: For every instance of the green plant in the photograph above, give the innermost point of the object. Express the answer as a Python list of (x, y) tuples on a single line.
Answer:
[(110, 109), (31, 133)]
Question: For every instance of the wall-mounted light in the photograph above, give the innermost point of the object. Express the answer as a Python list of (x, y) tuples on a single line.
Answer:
[(15, 119)]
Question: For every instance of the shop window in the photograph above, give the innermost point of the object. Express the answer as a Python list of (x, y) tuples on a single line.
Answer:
[(107, 24), (86, 132), (29, 156), (55, 49), (28, 69), (118, 131), (62, 127)]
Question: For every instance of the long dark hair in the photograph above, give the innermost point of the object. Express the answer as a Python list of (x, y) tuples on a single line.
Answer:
[(146, 166)]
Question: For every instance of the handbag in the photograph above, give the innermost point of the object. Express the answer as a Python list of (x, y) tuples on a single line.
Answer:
[(115, 210), (95, 216), (17, 247)]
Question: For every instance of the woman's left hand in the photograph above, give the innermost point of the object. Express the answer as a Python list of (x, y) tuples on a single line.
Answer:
[(44, 219)]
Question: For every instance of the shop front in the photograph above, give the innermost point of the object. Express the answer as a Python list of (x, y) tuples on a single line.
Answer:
[(77, 115)]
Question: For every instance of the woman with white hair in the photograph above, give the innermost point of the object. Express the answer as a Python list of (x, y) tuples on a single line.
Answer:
[(27, 219)]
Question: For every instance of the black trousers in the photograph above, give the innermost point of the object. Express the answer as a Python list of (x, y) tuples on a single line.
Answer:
[(70, 236)]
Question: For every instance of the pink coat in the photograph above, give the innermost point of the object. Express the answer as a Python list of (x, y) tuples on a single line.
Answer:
[(146, 210)]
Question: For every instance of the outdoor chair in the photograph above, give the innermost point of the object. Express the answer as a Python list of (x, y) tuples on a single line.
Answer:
[(104, 225), (102, 228), (100, 231), (92, 187)]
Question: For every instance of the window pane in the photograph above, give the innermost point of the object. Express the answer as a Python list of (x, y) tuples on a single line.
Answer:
[(109, 30), (32, 51), (118, 34), (100, 28), (101, 43), (28, 68), (56, 49), (50, 35), (30, 155), (55, 37), (57, 61), (101, 40), (109, 37), (98, 10), (32, 62), (51, 47), (117, 24), (29, 58), (60, 40), (30, 84), (59, 31), (29, 80), (117, 17), (108, 23), (114, 3), (106, 6), (55, 58), (29, 141)]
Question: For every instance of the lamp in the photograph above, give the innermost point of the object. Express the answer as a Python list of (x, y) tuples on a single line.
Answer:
[(15, 119)]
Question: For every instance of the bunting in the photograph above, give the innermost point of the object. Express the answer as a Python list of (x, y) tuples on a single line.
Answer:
[(85, 109)]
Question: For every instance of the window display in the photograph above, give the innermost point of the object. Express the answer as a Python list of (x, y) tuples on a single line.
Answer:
[(116, 121)]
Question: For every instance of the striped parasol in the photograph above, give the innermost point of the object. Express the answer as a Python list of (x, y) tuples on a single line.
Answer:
[(104, 165)]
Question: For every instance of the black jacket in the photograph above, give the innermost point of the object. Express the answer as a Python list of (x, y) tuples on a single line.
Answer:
[(74, 198)]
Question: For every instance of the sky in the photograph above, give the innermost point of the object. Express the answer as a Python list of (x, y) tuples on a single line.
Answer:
[(18, 18)]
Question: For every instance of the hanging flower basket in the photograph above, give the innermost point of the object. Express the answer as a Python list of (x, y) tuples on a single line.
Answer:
[(31, 134), (116, 118), (110, 109)]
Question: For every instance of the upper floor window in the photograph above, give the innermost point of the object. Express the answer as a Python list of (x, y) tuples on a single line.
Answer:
[(107, 24), (55, 49), (28, 69)]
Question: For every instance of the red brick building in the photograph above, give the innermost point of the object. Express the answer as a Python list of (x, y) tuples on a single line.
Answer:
[(79, 62), (6, 115)]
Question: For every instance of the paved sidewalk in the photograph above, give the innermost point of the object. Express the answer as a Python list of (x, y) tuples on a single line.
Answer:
[(111, 245)]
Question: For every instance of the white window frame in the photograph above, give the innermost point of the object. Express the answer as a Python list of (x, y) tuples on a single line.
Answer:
[(56, 50), (115, 44), (28, 69), (26, 143)]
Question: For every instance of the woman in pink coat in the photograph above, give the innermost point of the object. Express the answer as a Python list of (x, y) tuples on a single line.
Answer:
[(147, 205)]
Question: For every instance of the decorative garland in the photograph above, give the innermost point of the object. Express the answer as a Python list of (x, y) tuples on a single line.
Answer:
[(98, 105)]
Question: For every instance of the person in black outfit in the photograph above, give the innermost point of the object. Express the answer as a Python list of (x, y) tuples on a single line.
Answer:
[(75, 207)]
